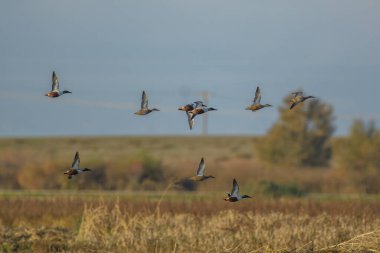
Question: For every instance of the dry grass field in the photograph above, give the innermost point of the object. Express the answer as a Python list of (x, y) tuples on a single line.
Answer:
[(184, 222), (112, 210)]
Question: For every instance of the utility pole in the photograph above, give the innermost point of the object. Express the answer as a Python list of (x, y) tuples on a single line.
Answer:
[(205, 96)]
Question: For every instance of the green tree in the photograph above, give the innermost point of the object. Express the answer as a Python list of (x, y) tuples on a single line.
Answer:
[(357, 156), (301, 136)]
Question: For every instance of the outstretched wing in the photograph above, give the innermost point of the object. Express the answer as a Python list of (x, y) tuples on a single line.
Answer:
[(76, 161), (54, 82), (198, 104), (235, 188), (190, 120), (257, 98), (201, 168), (144, 101)]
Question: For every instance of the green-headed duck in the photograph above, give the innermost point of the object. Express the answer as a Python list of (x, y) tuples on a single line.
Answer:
[(74, 170), (55, 92), (234, 196)]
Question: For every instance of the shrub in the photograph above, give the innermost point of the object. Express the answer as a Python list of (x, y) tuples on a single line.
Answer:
[(300, 137), (277, 190), (357, 156)]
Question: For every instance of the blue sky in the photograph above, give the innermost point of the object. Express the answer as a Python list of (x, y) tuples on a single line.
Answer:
[(107, 52)]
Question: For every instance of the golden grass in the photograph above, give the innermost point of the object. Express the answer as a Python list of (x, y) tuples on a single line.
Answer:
[(121, 222), (225, 231)]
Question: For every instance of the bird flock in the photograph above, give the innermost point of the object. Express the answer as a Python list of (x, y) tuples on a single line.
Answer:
[(191, 110)]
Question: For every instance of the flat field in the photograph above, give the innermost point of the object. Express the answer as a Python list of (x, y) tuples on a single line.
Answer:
[(292, 209)]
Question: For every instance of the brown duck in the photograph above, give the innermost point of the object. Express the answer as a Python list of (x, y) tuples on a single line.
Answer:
[(256, 102), (200, 176), (144, 106), (298, 98)]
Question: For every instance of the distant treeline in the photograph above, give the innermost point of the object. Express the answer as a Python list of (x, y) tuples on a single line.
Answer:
[(303, 138)]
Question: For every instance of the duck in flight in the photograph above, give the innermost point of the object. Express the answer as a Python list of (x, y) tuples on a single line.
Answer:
[(55, 92), (188, 108), (200, 108), (144, 106), (298, 98), (234, 196), (256, 102), (200, 175), (74, 170)]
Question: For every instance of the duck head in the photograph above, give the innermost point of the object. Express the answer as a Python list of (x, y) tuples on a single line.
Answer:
[(66, 91), (228, 196), (85, 169)]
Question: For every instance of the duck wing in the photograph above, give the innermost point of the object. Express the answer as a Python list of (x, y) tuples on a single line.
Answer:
[(201, 168), (54, 82), (198, 104), (144, 101), (76, 161), (257, 98), (190, 119), (235, 188)]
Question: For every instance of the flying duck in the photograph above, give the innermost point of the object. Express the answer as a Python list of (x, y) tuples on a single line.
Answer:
[(200, 172), (198, 177), (256, 102), (55, 92), (234, 196), (298, 98), (188, 108), (200, 108), (144, 106), (74, 170)]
